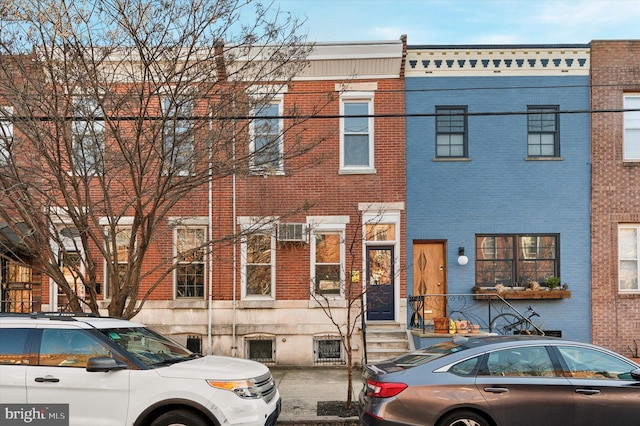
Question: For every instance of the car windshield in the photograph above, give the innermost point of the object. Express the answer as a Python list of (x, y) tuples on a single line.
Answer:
[(429, 353), (151, 348)]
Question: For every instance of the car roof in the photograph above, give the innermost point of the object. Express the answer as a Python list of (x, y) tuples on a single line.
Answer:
[(82, 320)]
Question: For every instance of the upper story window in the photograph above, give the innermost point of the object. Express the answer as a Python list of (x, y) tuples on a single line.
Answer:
[(543, 131), (6, 134), (631, 138), (516, 259), (327, 253), (628, 259), (357, 146), (258, 265), (266, 144), (190, 258), (178, 135), (451, 132), (87, 130)]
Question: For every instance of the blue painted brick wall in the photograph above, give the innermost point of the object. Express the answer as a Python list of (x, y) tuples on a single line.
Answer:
[(498, 191)]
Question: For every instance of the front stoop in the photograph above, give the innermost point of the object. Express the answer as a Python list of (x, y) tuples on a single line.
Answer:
[(386, 340)]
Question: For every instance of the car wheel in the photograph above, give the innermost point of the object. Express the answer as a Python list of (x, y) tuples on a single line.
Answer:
[(463, 418), (180, 418)]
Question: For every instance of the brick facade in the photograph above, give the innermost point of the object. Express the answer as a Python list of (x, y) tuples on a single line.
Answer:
[(615, 70)]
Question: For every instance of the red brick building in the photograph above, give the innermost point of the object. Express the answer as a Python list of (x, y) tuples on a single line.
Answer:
[(615, 149)]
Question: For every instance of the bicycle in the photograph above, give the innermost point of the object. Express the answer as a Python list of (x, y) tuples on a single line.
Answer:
[(512, 324)]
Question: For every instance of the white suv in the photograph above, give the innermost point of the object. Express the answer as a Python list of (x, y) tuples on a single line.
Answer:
[(107, 371)]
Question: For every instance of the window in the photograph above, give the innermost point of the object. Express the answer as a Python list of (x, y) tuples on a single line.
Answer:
[(327, 350), (71, 265), (260, 349), (516, 259), (628, 262), (328, 250), (266, 138), (6, 134), (587, 363), (259, 261), (191, 255), (357, 133), (178, 136), (69, 348), (14, 348), (88, 136), (121, 256), (631, 139), (531, 361), (451, 132), (543, 131)]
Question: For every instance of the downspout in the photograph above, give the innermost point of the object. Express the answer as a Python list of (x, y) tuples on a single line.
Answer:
[(234, 347), (210, 224)]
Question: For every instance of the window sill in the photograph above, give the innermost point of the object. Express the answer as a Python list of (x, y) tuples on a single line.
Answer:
[(357, 171), (543, 159), (450, 159), (522, 294), (257, 304)]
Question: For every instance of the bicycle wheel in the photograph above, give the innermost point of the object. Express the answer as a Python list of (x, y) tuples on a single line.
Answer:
[(510, 324)]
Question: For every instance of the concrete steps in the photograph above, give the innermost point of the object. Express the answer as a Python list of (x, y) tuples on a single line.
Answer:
[(386, 340)]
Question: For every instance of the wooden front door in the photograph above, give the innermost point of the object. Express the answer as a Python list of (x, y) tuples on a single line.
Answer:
[(430, 276)]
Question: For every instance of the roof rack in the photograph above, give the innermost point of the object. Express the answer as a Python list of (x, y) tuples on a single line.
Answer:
[(51, 315)]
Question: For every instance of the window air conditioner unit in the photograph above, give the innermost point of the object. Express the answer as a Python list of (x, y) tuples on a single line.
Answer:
[(292, 232)]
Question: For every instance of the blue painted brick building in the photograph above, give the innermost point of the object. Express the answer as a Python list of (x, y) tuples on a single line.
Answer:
[(498, 163)]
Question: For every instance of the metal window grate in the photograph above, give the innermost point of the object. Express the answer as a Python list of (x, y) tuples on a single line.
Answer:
[(261, 349), (328, 350)]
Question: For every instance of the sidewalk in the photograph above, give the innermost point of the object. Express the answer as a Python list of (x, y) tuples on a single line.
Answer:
[(302, 388)]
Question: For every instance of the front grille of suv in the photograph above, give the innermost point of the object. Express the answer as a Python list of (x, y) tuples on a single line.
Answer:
[(267, 386)]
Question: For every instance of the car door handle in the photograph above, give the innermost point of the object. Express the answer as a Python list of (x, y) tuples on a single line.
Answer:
[(48, 379), (496, 390), (588, 391)]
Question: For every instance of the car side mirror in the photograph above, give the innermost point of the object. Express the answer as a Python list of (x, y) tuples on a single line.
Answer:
[(635, 374), (104, 364)]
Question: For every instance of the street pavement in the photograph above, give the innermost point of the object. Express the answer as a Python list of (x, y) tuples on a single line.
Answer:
[(302, 388)]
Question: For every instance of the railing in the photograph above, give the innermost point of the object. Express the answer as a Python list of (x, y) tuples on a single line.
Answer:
[(17, 306), (477, 310)]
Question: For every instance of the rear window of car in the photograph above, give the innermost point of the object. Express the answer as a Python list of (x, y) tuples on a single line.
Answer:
[(428, 354)]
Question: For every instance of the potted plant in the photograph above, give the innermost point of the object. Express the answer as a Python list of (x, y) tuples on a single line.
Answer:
[(553, 282)]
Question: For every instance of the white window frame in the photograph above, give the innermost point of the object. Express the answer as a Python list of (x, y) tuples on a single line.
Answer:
[(327, 228), (629, 258), (631, 134), (350, 98), (181, 160), (93, 133), (277, 100), (6, 134), (257, 228), (124, 224), (176, 256)]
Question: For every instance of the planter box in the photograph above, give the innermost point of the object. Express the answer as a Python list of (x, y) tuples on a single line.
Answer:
[(523, 294)]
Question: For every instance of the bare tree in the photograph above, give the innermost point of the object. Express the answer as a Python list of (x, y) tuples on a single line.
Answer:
[(123, 112)]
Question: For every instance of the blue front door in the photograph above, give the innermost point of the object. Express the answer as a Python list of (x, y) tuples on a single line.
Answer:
[(380, 279)]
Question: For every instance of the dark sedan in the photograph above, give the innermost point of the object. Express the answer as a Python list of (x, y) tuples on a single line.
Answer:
[(503, 381)]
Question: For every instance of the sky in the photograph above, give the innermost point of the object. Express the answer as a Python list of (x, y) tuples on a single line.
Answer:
[(467, 21)]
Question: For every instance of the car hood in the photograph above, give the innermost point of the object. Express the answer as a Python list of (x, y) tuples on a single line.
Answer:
[(215, 367)]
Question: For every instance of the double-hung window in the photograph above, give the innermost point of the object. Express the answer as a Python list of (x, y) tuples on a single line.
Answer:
[(88, 135), (190, 258), (357, 124), (178, 135), (451, 132), (628, 259), (631, 138), (258, 256), (266, 144), (6, 134), (543, 131), (516, 259), (327, 250)]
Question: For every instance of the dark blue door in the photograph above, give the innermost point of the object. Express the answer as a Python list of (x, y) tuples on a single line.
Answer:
[(380, 278)]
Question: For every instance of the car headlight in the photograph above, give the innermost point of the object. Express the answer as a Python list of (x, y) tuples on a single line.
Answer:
[(242, 388)]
